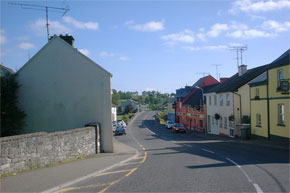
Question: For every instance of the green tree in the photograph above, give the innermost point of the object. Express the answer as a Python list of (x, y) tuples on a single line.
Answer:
[(115, 97), (12, 118)]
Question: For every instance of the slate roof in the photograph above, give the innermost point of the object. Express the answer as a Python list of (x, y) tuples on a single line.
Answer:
[(236, 81), (196, 97)]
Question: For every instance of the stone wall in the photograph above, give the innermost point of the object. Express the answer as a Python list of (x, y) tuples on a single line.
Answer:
[(23, 152)]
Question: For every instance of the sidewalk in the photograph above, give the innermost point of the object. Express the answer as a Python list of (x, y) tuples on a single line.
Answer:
[(261, 142), (47, 178)]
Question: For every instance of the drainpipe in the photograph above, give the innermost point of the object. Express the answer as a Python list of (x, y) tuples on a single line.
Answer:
[(268, 105)]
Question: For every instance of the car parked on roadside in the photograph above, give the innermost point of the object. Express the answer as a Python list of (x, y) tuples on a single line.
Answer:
[(169, 124), (178, 127), (120, 130)]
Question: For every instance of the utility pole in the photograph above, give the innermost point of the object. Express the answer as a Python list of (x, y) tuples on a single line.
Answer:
[(43, 8), (217, 72), (238, 49)]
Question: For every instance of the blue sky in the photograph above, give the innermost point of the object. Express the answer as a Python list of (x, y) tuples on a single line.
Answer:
[(153, 45)]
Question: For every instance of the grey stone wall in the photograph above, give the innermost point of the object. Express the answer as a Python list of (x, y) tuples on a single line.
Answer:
[(23, 152)]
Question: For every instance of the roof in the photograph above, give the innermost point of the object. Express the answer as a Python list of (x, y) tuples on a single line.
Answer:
[(282, 60), (261, 78), (236, 81), (4, 70), (196, 97), (53, 40)]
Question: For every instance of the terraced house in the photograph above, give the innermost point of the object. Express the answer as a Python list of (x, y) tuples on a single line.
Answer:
[(270, 101)]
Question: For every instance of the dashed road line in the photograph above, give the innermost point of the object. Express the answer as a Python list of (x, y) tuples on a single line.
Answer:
[(208, 151), (233, 162)]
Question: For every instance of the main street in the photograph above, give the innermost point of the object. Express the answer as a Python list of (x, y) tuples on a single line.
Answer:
[(175, 162)]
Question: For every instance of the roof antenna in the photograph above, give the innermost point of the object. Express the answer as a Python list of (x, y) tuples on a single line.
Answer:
[(239, 49), (217, 71), (43, 8)]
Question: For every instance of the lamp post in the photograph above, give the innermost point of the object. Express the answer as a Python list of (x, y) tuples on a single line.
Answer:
[(204, 123)]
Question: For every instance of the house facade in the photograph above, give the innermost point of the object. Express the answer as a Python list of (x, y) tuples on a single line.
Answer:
[(190, 106), (124, 105), (229, 102), (270, 101), (63, 89)]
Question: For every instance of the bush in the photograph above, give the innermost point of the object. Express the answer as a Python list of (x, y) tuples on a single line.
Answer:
[(12, 118)]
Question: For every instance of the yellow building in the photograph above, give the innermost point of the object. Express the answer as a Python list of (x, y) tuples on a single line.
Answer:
[(270, 100)]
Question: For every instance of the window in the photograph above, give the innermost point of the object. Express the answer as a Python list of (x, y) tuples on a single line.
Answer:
[(209, 100), (212, 120), (226, 123), (228, 100), (280, 76), (215, 100), (281, 118), (200, 124), (221, 100), (258, 120), (221, 122)]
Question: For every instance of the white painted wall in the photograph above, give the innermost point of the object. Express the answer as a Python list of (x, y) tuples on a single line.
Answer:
[(62, 89)]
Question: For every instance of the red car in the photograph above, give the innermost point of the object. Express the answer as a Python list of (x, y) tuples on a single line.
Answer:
[(178, 128)]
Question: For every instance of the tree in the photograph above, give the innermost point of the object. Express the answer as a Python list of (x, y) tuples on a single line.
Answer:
[(115, 97), (12, 118), (129, 108)]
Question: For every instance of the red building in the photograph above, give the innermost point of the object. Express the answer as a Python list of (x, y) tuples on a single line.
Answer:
[(189, 104)]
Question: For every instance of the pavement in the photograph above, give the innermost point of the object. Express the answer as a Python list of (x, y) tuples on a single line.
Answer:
[(55, 177)]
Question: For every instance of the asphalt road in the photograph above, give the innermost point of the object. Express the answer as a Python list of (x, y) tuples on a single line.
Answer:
[(173, 162)]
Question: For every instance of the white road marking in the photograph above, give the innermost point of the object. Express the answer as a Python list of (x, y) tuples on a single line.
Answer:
[(256, 186), (187, 145), (207, 150), (258, 189), (233, 162)]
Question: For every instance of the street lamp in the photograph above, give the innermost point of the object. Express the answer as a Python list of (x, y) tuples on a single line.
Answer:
[(205, 131)]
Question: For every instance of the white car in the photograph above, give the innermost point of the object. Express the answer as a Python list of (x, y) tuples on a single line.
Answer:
[(169, 124)]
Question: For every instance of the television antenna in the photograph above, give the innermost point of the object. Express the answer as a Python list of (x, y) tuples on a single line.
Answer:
[(238, 49), (217, 72), (43, 8)]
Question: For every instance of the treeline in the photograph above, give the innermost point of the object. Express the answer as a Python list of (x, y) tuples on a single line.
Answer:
[(153, 99)]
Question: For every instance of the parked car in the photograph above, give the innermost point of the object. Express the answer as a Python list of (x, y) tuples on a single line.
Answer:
[(120, 130), (114, 127), (178, 128), (169, 124)]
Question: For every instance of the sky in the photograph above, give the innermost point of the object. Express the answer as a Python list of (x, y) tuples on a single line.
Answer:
[(153, 45)]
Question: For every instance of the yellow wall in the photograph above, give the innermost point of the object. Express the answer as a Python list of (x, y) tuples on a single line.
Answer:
[(244, 91), (259, 107), (275, 129), (273, 83), (282, 131)]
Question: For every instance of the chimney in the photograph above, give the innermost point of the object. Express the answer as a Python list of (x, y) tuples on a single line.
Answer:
[(242, 69), (68, 38)]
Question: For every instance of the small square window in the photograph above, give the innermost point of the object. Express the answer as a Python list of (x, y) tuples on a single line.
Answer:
[(221, 100), (281, 114), (258, 120), (228, 100)]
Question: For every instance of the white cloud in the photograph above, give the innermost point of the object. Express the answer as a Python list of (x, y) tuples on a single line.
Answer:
[(26, 46), (146, 27), (184, 37), (3, 38), (274, 25), (251, 33), (259, 6), (81, 25), (197, 48), (124, 58), (55, 27), (105, 54), (201, 36), (85, 51), (149, 89), (216, 29)]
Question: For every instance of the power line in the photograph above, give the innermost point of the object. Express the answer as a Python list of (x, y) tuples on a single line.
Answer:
[(43, 8)]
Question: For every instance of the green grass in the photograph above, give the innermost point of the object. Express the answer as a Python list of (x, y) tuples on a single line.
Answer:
[(162, 117)]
